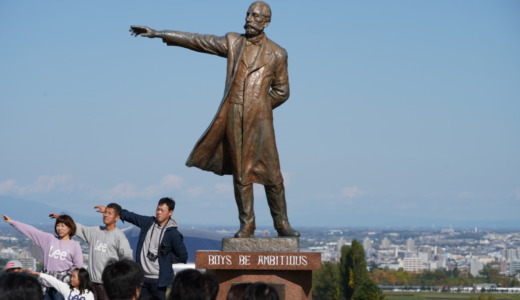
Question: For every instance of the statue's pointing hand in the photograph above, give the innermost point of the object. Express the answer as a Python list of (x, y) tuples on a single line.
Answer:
[(142, 31)]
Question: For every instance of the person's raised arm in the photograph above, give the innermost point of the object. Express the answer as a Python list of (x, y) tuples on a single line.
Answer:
[(7, 219), (207, 43), (100, 208), (38, 236), (59, 285), (53, 215)]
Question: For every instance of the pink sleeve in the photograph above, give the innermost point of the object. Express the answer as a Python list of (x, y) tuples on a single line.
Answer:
[(41, 238)]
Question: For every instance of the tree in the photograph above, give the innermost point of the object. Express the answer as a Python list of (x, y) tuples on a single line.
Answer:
[(3, 261), (326, 282), (355, 281), (368, 291), (353, 268), (490, 273), (455, 272)]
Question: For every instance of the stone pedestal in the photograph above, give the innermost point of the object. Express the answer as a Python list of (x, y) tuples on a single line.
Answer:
[(276, 261)]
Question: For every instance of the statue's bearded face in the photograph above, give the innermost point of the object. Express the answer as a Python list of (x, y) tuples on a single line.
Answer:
[(256, 19)]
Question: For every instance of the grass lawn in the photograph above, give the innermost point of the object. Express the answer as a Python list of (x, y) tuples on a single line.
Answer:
[(443, 296)]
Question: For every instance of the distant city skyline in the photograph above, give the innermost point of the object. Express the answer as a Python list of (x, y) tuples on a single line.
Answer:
[(412, 250), (401, 113)]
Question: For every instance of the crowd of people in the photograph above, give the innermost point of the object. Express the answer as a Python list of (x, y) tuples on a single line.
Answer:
[(123, 280), (114, 272)]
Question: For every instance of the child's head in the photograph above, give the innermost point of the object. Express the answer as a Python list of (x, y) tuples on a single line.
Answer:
[(80, 279)]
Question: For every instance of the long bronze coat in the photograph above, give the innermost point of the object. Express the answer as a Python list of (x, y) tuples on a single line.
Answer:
[(266, 87)]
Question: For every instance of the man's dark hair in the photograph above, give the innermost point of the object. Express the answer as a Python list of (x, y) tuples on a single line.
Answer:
[(261, 291), (122, 278), (85, 284), (67, 221), (191, 284), (168, 201), (115, 207), (19, 285)]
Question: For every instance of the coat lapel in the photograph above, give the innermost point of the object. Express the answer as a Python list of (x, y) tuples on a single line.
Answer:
[(239, 46), (265, 55)]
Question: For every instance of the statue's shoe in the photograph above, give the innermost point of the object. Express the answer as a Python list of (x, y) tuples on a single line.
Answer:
[(244, 234), (289, 232)]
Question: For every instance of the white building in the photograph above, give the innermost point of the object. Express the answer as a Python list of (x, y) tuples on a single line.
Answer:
[(341, 243), (367, 244), (410, 245), (425, 257), (476, 266), (510, 254), (514, 267), (413, 264), (385, 243), (8, 253)]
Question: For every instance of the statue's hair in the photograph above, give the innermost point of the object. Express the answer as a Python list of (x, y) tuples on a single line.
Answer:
[(266, 9)]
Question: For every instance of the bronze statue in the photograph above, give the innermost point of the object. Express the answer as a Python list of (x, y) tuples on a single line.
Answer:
[(240, 141)]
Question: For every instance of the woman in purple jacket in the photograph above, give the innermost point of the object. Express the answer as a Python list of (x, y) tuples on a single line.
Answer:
[(61, 254)]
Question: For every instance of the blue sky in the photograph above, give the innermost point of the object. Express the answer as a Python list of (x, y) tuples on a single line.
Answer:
[(402, 113)]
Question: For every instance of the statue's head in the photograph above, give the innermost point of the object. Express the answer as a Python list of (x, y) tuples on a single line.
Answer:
[(258, 17)]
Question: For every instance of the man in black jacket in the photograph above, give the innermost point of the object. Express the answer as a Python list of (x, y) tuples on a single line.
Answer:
[(160, 244)]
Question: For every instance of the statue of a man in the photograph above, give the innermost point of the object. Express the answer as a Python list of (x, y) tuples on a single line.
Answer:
[(240, 141)]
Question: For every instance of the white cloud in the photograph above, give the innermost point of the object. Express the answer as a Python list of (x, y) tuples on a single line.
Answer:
[(171, 181), (123, 190), (352, 192), (195, 191), (167, 183), (44, 184)]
